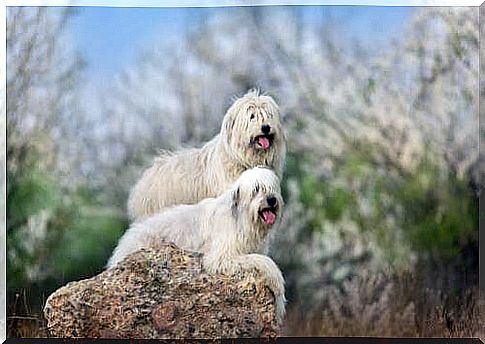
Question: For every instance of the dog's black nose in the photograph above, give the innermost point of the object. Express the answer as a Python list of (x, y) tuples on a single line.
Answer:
[(265, 128), (271, 201)]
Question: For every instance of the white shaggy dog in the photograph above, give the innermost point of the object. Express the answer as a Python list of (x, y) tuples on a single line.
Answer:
[(230, 230), (251, 135)]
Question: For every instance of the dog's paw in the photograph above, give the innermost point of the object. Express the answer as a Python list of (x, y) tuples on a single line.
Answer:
[(264, 265), (268, 268), (280, 308), (273, 276)]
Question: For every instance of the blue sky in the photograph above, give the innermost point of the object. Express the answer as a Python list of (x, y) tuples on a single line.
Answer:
[(111, 37)]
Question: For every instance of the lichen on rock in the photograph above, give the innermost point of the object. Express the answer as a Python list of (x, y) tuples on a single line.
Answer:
[(163, 293)]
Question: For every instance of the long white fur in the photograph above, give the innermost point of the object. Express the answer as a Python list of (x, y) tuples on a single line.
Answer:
[(227, 229), (190, 175)]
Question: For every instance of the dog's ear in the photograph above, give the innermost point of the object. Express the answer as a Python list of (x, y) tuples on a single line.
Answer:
[(235, 201), (228, 122)]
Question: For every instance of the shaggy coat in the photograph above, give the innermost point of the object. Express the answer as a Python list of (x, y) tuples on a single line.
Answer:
[(231, 230), (251, 135)]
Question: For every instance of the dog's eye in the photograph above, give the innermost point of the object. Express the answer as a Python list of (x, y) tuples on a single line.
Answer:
[(252, 116), (256, 188)]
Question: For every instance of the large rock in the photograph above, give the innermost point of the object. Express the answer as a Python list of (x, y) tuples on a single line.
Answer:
[(163, 294)]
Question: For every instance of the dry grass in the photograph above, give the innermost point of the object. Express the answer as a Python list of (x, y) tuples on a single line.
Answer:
[(372, 305), (389, 306), (31, 326), (22, 320), (445, 315)]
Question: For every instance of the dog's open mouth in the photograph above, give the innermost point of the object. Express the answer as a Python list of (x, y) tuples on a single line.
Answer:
[(268, 215), (264, 141)]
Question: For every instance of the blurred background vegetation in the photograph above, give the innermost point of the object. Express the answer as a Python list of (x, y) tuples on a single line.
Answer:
[(380, 232)]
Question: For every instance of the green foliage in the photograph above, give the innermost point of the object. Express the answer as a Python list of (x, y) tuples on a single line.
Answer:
[(432, 213), (75, 239), (441, 212), (28, 194), (88, 243), (326, 199)]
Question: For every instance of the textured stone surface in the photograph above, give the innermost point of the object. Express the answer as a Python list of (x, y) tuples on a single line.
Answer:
[(163, 294)]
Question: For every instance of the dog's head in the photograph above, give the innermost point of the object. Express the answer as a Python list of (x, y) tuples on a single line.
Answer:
[(256, 196), (252, 130)]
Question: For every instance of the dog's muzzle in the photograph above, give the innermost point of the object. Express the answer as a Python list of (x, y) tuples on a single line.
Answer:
[(270, 213), (264, 141)]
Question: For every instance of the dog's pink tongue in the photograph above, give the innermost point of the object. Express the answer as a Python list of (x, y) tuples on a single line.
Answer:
[(269, 217), (264, 142)]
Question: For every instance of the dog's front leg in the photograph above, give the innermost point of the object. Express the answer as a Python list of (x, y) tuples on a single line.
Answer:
[(273, 275)]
